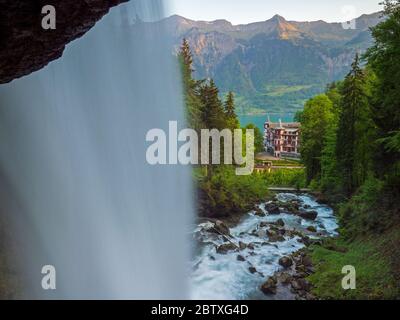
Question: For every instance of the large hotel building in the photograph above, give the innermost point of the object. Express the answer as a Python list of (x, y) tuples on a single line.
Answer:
[(282, 139)]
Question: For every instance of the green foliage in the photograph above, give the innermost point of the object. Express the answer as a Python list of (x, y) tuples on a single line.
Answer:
[(232, 119), (221, 192), (383, 59), (212, 110), (291, 178), (352, 149), (258, 138), (190, 87), (286, 163), (364, 212), (226, 194), (316, 118), (391, 143), (359, 160), (375, 279)]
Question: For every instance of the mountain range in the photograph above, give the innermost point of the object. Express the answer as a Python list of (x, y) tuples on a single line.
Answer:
[(275, 65)]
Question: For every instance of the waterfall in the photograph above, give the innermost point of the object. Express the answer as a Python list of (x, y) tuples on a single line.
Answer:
[(74, 176)]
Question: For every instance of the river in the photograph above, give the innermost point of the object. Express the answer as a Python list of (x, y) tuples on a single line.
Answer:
[(222, 276)]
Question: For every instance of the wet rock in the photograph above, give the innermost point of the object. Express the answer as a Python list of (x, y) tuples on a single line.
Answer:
[(285, 262), (280, 223), (301, 271), (285, 278), (308, 215), (291, 207), (226, 247), (312, 229), (296, 204), (240, 258), (306, 241), (222, 228), (272, 209), (301, 285), (261, 233), (251, 246), (269, 287), (274, 236), (271, 233), (281, 231), (306, 261), (252, 270), (277, 238), (258, 212), (242, 245)]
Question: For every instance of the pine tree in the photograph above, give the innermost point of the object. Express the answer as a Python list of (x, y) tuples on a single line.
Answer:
[(190, 87), (213, 114), (351, 125), (231, 117), (186, 57)]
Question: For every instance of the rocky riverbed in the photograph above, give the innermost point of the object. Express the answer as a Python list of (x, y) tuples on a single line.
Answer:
[(263, 256)]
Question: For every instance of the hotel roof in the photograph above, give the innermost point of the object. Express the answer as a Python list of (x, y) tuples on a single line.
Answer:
[(284, 125)]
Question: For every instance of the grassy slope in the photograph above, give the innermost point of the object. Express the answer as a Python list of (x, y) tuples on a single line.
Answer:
[(375, 260)]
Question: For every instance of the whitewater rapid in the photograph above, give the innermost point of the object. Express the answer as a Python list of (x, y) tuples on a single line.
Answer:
[(222, 276)]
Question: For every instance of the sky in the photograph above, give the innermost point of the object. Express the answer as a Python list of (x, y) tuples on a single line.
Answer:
[(246, 11)]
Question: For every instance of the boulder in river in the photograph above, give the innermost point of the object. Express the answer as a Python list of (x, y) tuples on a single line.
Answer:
[(222, 228), (272, 208), (226, 247), (274, 236), (308, 215), (261, 233), (312, 229), (258, 212), (280, 223), (242, 245), (286, 262), (269, 287), (240, 258), (285, 278), (264, 224), (252, 270), (306, 241)]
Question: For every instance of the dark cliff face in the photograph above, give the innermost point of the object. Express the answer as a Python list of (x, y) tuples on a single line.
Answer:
[(26, 47)]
